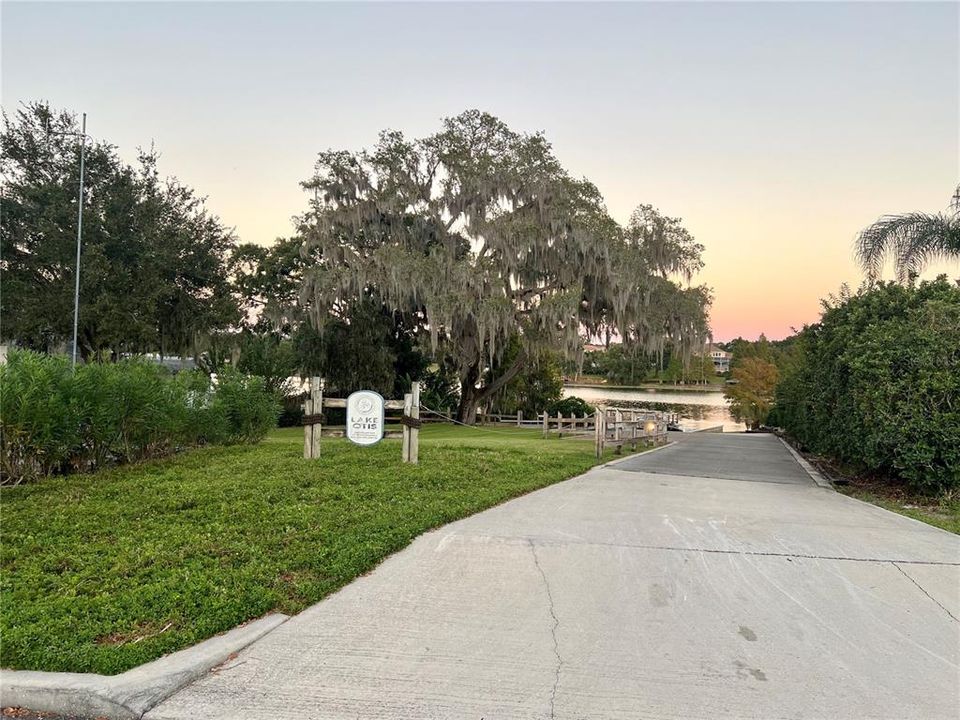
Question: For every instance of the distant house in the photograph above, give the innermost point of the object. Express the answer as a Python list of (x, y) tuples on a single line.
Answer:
[(589, 347), (721, 358)]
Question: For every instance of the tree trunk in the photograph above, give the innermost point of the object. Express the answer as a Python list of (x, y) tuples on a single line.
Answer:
[(471, 397), (469, 400)]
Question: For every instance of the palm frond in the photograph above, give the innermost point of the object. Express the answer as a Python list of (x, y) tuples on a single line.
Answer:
[(912, 240), (935, 240)]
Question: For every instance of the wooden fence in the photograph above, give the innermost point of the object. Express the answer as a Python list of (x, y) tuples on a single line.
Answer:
[(610, 426), (626, 426)]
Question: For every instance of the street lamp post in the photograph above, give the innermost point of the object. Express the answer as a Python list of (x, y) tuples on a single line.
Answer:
[(76, 286)]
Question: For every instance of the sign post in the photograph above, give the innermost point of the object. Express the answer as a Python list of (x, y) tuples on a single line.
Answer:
[(312, 419), (415, 428), (366, 419)]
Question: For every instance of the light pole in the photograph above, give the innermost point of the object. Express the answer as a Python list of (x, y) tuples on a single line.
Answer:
[(76, 286)]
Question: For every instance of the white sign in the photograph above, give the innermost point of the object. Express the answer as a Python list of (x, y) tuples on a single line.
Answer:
[(365, 417)]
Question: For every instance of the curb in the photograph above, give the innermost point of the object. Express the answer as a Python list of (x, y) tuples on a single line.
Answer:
[(129, 695), (631, 456), (711, 429), (814, 474)]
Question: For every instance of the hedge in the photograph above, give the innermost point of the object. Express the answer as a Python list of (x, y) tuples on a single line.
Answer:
[(54, 419), (877, 384)]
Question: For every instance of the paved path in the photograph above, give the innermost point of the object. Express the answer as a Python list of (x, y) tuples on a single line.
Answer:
[(634, 591)]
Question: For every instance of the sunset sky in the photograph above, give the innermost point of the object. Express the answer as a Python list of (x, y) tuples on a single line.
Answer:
[(776, 131)]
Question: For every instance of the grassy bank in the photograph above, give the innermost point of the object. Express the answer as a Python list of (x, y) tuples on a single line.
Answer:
[(103, 572), (584, 382), (942, 512)]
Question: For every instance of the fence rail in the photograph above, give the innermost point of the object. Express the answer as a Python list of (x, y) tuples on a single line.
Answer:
[(626, 426), (610, 426)]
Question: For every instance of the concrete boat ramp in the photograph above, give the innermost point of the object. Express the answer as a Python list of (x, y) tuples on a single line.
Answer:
[(714, 578)]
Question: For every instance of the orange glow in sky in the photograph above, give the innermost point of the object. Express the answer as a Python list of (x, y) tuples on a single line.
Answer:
[(775, 130)]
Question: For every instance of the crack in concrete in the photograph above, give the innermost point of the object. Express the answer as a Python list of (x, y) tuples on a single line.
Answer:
[(908, 577), (553, 630)]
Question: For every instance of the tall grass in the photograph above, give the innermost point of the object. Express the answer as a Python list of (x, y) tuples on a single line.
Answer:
[(57, 420)]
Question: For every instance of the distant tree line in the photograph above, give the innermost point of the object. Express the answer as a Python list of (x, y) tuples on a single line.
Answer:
[(629, 364)]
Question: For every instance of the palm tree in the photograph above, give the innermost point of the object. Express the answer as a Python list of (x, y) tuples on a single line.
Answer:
[(913, 240)]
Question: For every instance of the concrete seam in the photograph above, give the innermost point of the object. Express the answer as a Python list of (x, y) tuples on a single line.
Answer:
[(703, 476), (716, 551), (908, 577), (553, 630)]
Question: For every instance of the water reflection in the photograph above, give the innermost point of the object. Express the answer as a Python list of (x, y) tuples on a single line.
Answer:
[(697, 409)]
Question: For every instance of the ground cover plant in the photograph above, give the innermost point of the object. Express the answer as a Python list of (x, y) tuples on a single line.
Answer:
[(105, 571)]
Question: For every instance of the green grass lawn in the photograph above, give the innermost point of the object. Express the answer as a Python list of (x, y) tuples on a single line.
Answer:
[(943, 512), (104, 572)]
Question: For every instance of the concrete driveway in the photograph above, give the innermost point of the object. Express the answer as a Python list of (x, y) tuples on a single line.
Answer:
[(636, 591)]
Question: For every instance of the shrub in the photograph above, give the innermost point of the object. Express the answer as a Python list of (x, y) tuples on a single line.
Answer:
[(877, 384), (291, 414), (201, 420), (752, 396), (570, 406), (250, 408), (39, 418), (55, 419), (129, 409)]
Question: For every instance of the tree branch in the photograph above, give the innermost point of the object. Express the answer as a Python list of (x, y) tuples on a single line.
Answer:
[(508, 375)]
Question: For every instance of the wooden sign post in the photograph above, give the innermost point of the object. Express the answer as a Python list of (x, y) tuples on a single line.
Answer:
[(411, 425), (365, 420), (313, 419)]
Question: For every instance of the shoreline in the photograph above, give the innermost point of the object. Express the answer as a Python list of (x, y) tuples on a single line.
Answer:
[(648, 386)]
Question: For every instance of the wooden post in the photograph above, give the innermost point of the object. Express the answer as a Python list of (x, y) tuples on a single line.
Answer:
[(519, 417), (598, 432), (618, 431), (405, 443), (546, 424), (307, 427), (413, 455), (313, 405), (316, 392)]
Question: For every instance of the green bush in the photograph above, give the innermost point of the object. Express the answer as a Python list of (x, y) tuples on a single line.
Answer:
[(250, 408), (200, 420), (570, 406), (291, 411), (57, 420), (877, 384), (130, 410), (39, 419)]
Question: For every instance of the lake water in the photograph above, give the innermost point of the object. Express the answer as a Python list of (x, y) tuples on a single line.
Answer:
[(696, 408)]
